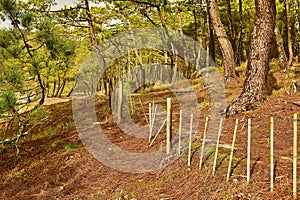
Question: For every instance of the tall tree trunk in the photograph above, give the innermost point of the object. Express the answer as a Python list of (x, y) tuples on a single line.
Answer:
[(289, 32), (238, 49), (170, 54), (254, 91), (138, 57), (202, 24), (211, 45), (231, 24), (225, 44), (95, 46), (281, 52), (186, 60), (297, 28)]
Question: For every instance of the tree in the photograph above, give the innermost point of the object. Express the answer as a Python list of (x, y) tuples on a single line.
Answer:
[(95, 46), (297, 26), (32, 56), (254, 90), (11, 10), (282, 55), (225, 44), (289, 32)]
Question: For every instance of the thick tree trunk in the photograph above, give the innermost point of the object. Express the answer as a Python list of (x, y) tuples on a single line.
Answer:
[(281, 52), (289, 32), (254, 91), (225, 44)]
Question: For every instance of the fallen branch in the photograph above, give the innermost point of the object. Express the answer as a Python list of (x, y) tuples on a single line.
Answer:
[(13, 140), (158, 132), (295, 103)]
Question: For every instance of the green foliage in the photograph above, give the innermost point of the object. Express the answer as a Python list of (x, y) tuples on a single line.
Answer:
[(67, 46), (8, 101), (68, 147), (27, 19), (8, 5)]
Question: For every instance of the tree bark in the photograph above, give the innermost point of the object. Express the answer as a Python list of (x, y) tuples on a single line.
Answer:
[(255, 90), (186, 60), (225, 44), (238, 49), (281, 52), (202, 24), (231, 23), (211, 45), (95, 46), (138, 57), (297, 28), (289, 33)]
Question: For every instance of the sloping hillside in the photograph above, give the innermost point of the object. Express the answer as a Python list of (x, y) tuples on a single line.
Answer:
[(54, 164)]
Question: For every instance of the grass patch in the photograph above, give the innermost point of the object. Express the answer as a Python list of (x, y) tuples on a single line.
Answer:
[(52, 130), (68, 147), (50, 146), (16, 173)]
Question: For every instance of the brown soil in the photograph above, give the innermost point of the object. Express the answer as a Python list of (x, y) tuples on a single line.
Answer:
[(55, 164)]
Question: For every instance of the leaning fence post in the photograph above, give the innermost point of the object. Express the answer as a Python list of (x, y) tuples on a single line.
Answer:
[(190, 141), (217, 146), (232, 149), (203, 143)]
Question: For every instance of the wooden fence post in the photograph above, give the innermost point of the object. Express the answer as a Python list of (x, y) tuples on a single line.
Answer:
[(249, 150), (272, 154), (190, 141), (217, 146), (295, 154), (203, 143), (150, 122), (179, 132), (169, 126), (232, 149)]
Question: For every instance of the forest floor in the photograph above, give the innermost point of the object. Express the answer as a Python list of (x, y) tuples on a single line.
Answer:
[(54, 164)]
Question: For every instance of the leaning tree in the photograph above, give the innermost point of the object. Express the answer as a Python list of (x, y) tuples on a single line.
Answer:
[(225, 44), (255, 85)]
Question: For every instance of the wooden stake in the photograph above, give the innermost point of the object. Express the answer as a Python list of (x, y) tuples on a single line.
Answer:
[(169, 121), (163, 124), (190, 141), (217, 146), (203, 143), (132, 106), (295, 149), (272, 154), (179, 132), (143, 109), (232, 149), (150, 120), (152, 114), (154, 108), (248, 150)]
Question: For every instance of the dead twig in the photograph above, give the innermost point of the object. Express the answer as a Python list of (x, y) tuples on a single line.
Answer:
[(295, 103)]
